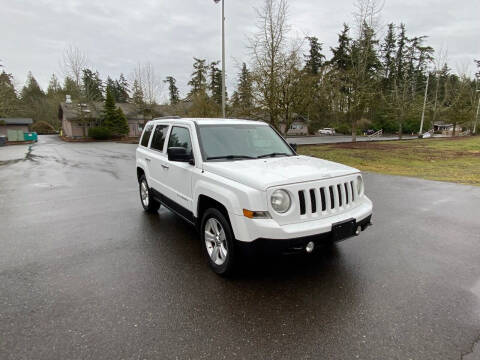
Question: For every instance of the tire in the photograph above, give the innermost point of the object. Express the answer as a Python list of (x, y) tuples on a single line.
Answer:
[(148, 202), (218, 242)]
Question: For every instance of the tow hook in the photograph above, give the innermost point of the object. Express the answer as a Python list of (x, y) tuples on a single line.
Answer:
[(310, 246)]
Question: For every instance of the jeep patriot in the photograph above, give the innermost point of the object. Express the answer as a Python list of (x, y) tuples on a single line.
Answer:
[(244, 187)]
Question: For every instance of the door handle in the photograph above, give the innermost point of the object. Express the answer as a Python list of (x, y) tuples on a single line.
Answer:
[(147, 159), (165, 166)]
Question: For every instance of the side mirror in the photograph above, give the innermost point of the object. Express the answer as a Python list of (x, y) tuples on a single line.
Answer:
[(293, 146), (179, 154)]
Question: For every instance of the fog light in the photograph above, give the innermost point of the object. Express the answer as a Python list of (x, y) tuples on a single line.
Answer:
[(358, 231), (309, 247)]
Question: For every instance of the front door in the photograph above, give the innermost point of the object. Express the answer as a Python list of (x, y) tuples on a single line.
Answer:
[(179, 179)]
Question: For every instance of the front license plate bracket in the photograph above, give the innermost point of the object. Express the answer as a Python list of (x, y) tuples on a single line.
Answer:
[(344, 229)]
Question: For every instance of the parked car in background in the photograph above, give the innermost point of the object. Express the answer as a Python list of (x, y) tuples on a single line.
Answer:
[(244, 188), (327, 131), (369, 132)]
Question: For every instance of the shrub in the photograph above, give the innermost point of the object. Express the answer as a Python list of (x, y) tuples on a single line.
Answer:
[(43, 128), (99, 133), (344, 129)]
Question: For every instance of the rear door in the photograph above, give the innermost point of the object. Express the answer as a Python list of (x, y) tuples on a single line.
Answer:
[(159, 164), (143, 153)]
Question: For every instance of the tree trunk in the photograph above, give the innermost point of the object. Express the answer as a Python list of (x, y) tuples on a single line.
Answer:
[(400, 130), (354, 129), (454, 129)]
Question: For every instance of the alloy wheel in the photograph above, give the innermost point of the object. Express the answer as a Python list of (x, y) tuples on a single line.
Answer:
[(216, 241)]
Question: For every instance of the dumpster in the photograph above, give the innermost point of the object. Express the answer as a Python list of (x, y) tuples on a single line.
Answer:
[(30, 136), (3, 140), (15, 135)]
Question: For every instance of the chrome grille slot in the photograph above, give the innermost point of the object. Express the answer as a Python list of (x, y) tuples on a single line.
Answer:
[(339, 189), (323, 198), (353, 192), (346, 193), (313, 200), (301, 198), (332, 197)]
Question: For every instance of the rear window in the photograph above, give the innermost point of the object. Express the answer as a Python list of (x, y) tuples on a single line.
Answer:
[(146, 135)]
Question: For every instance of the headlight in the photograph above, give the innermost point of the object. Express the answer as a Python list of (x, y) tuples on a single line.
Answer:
[(280, 201), (359, 186)]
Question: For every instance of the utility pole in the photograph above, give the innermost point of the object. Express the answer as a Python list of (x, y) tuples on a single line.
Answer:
[(223, 55), (424, 105), (476, 116)]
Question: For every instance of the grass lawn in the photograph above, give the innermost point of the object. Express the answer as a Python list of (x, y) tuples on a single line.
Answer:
[(444, 159)]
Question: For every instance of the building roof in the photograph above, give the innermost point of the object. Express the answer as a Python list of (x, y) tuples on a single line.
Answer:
[(71, 111), (17, 121)]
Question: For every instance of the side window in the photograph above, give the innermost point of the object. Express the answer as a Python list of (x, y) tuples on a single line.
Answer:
[(180, 137), (146, 135), (159, 136)]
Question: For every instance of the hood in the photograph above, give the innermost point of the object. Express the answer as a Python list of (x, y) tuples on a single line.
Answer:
[(264, 173)]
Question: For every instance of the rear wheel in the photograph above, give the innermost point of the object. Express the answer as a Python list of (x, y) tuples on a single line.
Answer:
[(218, 241), (148, 202)]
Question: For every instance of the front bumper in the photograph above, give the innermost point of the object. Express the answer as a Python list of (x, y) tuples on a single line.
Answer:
[(294, 245), (249, 230)]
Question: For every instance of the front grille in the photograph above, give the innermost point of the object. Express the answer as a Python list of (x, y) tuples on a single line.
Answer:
[(326, 199)]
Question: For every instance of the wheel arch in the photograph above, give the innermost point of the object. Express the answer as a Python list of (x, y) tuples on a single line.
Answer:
[(140, 172)]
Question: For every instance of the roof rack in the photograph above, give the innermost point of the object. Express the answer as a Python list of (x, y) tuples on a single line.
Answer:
[(167, 117)]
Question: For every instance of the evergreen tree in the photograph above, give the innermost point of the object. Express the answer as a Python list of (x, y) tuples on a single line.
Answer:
[(92, 85), (215, 83), (111, 84), (113, 118), (401, 53), (31, 91), (34, 102), (341, 54), (172, 90), (9, 103), (71, 88), (314, 59), (54, 87), (110, 111), (388, 55), (121, 123), (121, 86), (137, 94), (198, 82), (364, 53), (243, 96)]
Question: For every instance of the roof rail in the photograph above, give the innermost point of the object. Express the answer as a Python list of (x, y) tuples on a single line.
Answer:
[(167, 117)]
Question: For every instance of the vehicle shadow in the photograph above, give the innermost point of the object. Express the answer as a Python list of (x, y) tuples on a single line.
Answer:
[(178, 243)]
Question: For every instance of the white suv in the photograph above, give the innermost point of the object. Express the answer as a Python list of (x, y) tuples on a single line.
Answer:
[(244, 187)]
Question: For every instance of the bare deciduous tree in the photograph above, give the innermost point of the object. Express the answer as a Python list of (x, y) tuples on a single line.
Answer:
[(73, 62), (268, 52), (144, 74)]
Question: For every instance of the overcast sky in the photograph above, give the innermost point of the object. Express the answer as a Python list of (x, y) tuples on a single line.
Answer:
[(117, 34)]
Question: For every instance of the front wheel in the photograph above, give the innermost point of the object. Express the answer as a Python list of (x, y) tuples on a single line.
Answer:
[(148, 202), (218, 242)]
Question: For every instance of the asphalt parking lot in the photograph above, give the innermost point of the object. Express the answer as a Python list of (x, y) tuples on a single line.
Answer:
[(86, 274)]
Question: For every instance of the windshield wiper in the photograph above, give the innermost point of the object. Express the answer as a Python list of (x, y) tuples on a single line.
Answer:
[(230, 157), (272, 155)]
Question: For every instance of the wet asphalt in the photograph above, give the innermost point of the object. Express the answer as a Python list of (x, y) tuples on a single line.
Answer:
[(86, 274)]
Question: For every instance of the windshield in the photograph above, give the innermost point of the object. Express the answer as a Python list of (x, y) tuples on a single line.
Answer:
[(245, 141)]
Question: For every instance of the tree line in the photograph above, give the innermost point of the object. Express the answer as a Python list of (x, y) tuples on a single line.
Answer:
[(370, 81)]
